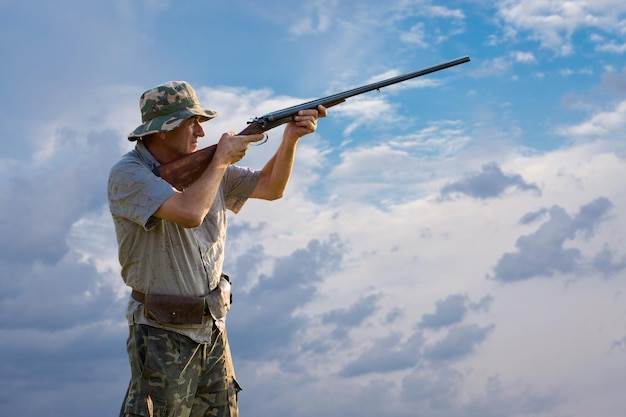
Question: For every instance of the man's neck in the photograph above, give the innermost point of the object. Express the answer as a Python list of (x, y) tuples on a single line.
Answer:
[(159, 152)]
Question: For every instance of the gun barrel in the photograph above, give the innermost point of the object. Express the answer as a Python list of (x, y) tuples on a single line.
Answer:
[(291, 111), (185, 170)]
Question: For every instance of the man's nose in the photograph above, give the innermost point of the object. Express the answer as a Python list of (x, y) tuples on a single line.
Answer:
[(199, 130)]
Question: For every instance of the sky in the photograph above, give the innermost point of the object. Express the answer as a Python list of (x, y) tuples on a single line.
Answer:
[(452, 246)]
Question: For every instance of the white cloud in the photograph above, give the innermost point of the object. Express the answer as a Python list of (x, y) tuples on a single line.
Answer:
[(524, 57), (613, 47), (553, 22), (603, 123), (318, 18), (91, 237), (415, 36), (567, 72), (493, 67), (444, 12)]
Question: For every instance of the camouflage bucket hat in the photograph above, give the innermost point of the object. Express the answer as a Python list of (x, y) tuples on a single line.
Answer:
[(167, 106)]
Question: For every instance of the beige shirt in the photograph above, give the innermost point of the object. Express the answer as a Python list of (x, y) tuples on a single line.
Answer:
[(158, 256)]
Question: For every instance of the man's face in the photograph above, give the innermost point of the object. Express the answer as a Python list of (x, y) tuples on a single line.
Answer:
[(184, 139)]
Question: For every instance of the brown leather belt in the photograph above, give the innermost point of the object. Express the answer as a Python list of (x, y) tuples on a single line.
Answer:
[(173, 309), (179, 309), (141, 297), (138, 296)]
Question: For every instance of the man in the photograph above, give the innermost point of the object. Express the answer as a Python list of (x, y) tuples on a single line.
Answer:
[(171, 248)]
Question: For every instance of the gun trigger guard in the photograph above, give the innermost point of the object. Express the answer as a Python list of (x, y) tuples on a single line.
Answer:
[(262, 141)]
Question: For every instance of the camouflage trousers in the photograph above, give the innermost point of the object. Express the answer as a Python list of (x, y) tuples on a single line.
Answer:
[(173, 376)]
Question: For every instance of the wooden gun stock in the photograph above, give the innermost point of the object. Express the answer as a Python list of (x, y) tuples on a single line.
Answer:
[(184, 171)]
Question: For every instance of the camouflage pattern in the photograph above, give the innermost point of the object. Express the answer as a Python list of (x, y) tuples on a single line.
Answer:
[(167, 106), (173, 376)]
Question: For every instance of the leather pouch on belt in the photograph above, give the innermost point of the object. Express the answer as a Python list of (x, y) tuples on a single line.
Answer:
[(174, 309), (219, 299)]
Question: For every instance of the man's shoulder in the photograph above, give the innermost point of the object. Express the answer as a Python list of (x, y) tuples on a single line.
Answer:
[(128, 156), (131, 170)]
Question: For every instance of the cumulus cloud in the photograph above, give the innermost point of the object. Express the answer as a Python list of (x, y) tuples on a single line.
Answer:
[(415, 35), (613, 47), (48, 202), (459, 342), (389, 353), (602, 123), (553, 23), (490, 183), (453, 310), (394, 352), (544, 253), (345, 319), (449, 311), (494, 67), (432, 391), (317, 17), (524, 57), (604, 262), (269, 322)]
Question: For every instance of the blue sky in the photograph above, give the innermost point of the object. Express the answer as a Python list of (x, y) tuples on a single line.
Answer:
[(449, 247)]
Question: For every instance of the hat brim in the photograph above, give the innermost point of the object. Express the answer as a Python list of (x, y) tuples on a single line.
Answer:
[(170, 122)]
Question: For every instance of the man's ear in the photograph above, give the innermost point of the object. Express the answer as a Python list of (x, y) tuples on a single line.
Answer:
[(153, 137)]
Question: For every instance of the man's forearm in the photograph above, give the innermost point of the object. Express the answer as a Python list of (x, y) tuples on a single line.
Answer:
[(277, 171), (189, 207)]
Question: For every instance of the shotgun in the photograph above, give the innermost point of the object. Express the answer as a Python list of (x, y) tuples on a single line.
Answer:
[(184, 171)]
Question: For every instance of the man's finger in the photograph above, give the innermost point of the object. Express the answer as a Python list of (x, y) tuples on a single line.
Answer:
[(254, 138)]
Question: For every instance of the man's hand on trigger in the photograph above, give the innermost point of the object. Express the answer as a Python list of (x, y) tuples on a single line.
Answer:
[(231, 147)]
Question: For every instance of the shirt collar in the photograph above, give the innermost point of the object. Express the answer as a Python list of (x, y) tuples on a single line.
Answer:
[(146, 157)]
